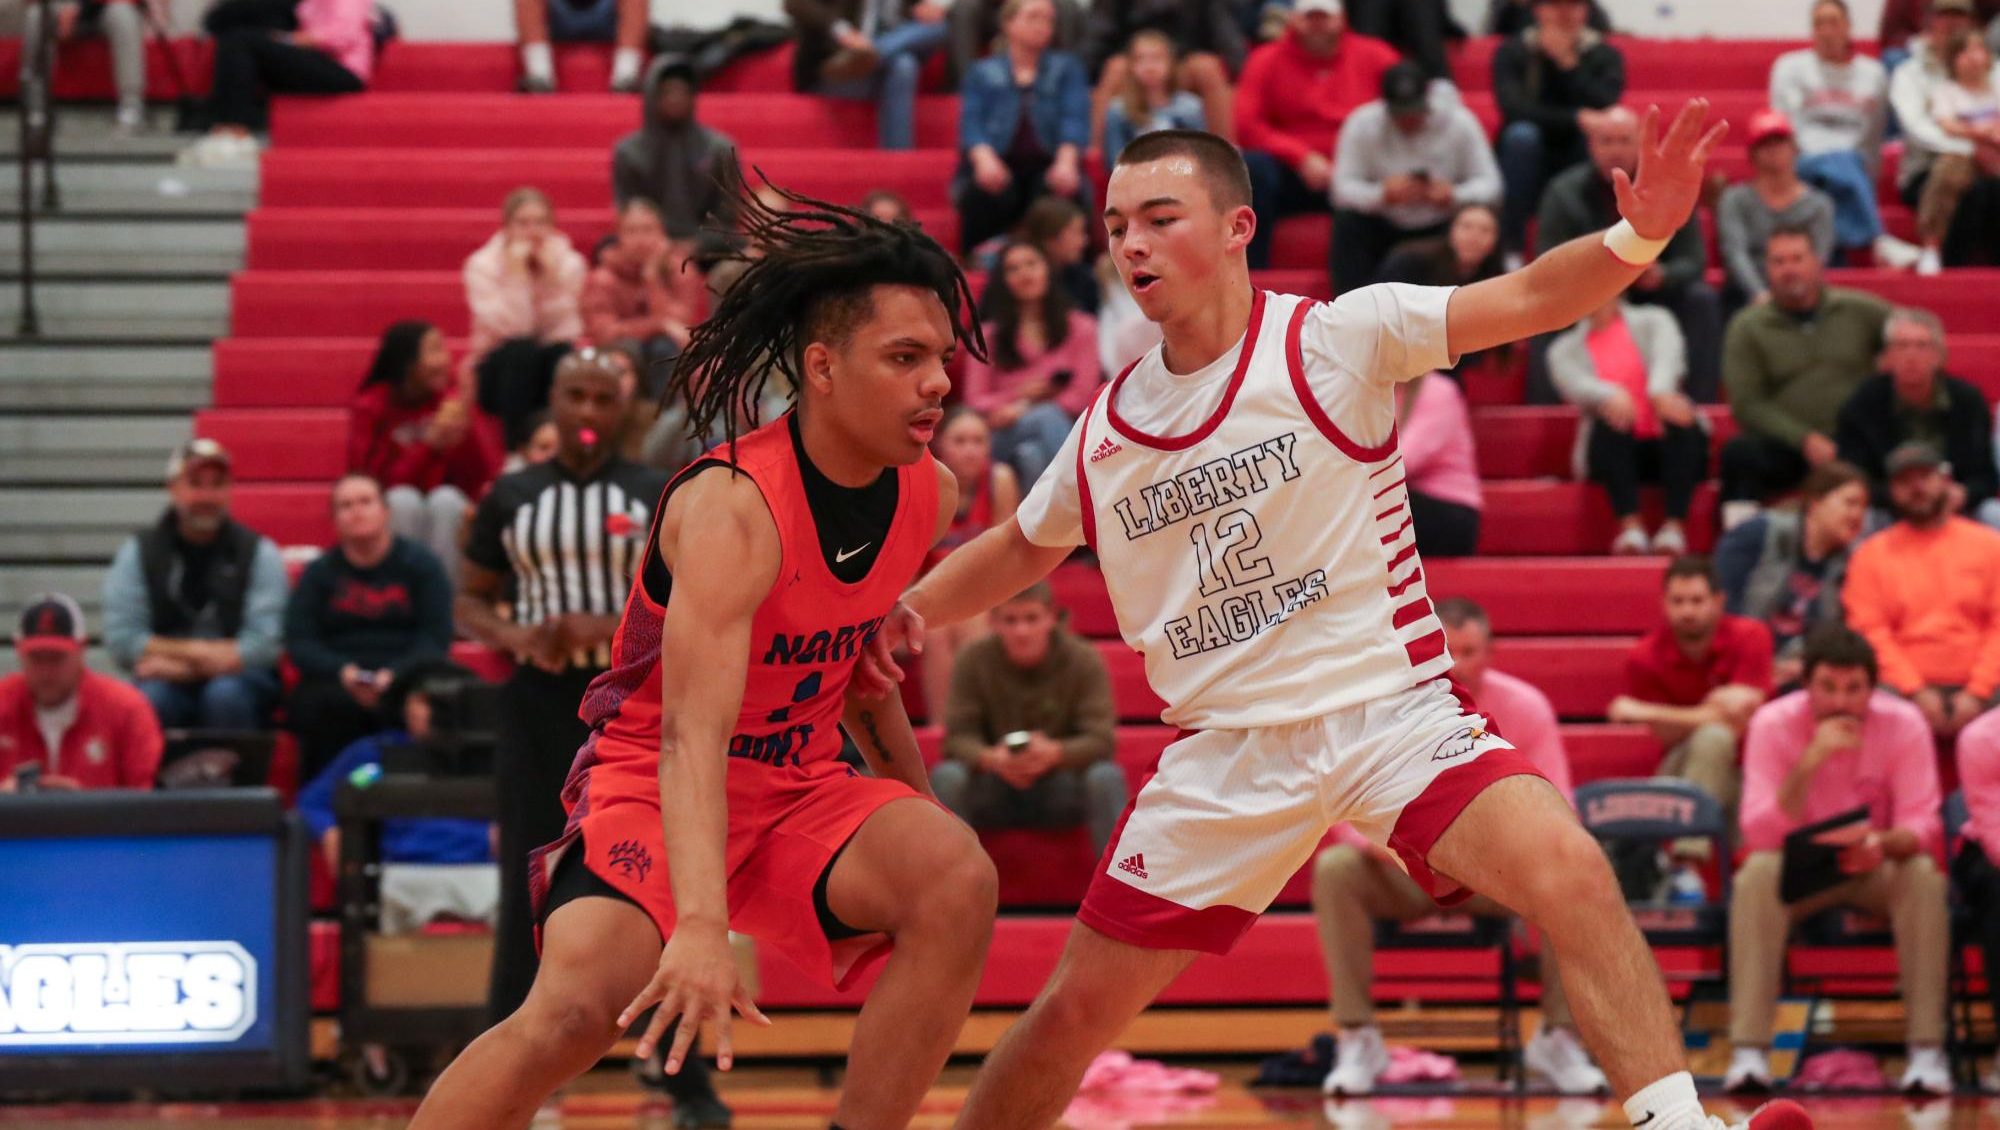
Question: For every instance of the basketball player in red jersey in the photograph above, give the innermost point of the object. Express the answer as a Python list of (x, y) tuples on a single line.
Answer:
[(771, 563), (1244, 491)]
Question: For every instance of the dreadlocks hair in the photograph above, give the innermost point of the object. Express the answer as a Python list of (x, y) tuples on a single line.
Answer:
[(809, 272)]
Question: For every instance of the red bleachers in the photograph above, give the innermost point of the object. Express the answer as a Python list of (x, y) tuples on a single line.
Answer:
[(572, 178), (371, 203), (593, 120)]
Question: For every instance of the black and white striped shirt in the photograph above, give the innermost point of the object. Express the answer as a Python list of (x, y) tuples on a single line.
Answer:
[(570, 544)]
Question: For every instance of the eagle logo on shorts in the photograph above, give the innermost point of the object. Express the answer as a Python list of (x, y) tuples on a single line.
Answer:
[(1459, 744)]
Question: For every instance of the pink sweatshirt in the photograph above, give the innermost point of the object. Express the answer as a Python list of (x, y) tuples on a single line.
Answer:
[(1435, 437), (1524, 716), (340, 28), (1894, 772), (507, 302), (987, 387), (1979, 776)]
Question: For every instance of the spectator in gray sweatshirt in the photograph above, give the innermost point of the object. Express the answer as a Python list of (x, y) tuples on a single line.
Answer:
[(1401, 166), (1773, 197), (671, 160), (1910, 91), (1838, 103)]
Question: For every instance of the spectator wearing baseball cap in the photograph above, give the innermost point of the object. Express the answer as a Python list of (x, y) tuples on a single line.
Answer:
[(1295, 95), (62, 725), (194, 604), (1403, 164), (1926, 594), (1838, 100), (1772, 198)]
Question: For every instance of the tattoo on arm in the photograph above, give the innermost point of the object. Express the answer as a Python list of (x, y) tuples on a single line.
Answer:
[(875, 737)]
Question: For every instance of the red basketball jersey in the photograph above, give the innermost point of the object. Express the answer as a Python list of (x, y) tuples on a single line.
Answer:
[(805, 638)]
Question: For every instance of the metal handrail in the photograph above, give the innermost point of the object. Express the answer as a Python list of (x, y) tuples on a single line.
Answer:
[(38, 140)]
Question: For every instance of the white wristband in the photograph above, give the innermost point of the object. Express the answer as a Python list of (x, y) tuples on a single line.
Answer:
[(1631, 248)]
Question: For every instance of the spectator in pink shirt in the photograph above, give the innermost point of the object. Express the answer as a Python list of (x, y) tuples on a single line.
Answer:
[(1043, 367), (1434, 434), (1625, 367), (1356, 882), (331, 51), (1976, 869), (1841, 743)]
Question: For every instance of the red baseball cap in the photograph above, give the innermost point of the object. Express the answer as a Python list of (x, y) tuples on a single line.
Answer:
[(50, 622), (1768, 124)]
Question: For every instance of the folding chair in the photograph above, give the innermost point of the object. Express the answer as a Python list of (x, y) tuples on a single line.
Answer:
[(1655, 811)]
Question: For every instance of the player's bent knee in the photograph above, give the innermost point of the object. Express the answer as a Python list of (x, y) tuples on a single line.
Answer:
[(1335, 867), (961, 889), (567, 1029), (1572, 878)]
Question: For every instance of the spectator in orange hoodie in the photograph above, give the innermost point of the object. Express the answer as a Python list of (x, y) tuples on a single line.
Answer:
[(1926, 593), (1294, 96), (420, 437), (641, 296)]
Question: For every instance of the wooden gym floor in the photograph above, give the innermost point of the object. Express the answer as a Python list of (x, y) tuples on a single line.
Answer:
[(794, 1099)]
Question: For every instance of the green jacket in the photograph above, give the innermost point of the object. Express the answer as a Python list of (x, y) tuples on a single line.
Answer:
[(1786, 378)]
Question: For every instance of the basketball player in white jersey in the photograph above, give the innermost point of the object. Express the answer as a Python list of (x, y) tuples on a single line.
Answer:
[(1242, 489)]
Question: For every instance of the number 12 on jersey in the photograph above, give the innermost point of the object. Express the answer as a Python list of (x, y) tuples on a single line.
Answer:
[(1227, 564)]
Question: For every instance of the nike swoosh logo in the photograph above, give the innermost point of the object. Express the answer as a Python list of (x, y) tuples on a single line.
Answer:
[(1650, 1115), (844, 554)]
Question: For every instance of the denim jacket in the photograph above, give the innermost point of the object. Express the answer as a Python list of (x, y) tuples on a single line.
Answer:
[(989, 105)]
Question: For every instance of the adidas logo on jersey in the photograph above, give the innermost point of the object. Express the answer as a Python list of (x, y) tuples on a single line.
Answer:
[(1106, 448), (1134, 865)]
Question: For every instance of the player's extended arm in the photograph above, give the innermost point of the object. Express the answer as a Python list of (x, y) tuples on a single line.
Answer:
[(1569, 282), (985, 571), (723, 566), (881, 728)]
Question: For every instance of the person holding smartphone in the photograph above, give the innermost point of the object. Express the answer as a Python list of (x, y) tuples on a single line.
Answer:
[(1403, 165)]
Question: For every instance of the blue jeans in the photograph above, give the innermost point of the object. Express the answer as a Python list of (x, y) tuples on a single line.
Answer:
[(1842, 175), (1524, 172), (227, 702), (1031, 443), (900, 53)]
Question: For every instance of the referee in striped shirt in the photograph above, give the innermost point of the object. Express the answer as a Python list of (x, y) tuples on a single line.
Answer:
[(570, 533)]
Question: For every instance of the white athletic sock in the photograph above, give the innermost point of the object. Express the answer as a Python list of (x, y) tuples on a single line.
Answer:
[(538, 61), (1667, 1104), (625, 64)]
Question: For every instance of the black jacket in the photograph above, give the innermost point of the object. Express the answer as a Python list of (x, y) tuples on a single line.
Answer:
[(1870, 427), (1529, 88), (1193, 25), (229, 561)]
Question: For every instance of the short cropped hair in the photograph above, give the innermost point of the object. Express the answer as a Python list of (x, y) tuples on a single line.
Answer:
[(1458, 611), (1837, 645), (1693, 565), (1222, 169)]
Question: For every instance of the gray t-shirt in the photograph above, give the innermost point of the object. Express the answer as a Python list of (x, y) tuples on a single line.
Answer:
[(1744, 223)]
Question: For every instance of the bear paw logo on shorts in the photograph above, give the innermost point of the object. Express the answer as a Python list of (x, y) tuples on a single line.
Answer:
[(1459, 744), (631, 859)]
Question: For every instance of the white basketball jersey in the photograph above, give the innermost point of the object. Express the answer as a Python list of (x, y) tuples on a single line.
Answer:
[(1264, 564)]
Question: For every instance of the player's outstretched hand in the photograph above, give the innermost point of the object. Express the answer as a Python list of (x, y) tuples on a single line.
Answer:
[(697, 983), (1661, 197), (878, 673)]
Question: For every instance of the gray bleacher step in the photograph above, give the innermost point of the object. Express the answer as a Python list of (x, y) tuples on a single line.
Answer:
[(193, 311), (95, 657), (73, 524), (88, 131), (77, 375), (88, 450), (21, 583), (127, 246), (152, 188)]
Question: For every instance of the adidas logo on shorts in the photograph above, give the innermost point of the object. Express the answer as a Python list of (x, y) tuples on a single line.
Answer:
[(1134, 865), (1106, 448)]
